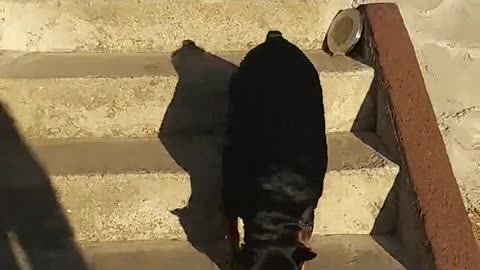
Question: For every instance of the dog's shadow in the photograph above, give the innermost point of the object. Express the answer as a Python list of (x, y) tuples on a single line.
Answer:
[(192, 131)]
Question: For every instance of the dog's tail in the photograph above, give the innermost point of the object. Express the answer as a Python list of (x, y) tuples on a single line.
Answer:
[(274, 34)]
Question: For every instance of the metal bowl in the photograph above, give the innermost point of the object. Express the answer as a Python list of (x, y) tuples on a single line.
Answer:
[(345, 31)]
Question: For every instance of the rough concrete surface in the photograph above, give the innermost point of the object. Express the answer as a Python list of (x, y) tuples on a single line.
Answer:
[(342, 252), (133, 95), (127, 190), (129, 25), (447, 44), (444, 33)]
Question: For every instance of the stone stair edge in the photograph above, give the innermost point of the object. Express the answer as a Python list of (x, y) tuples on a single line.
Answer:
[(174, 153), (137, 245), (356, 252), (55, 65)]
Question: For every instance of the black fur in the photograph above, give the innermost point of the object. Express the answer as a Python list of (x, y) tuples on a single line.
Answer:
[(276, 157)]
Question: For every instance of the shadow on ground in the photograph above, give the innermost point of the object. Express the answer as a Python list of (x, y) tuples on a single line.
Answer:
[(192, 132), (31, 219)]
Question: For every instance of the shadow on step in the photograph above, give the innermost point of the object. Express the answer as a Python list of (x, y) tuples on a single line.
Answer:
[(398, 217), (373, 117), (34, 231), (197, 113)]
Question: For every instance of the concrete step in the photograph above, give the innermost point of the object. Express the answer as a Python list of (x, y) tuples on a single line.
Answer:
[(339, 252), (78, 95), (161, 25), (139, 189)]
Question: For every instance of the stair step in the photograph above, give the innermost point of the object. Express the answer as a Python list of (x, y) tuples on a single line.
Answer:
[(339, 252), (79, 95), (126, 189), (137, 26)]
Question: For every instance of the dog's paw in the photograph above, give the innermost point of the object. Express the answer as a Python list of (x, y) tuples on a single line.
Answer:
[(232, 236)]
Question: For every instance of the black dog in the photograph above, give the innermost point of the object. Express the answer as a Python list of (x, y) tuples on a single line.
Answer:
[(275, 160)]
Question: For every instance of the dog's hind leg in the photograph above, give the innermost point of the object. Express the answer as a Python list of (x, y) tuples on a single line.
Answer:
[(306, 224), (305, 235), (306, 228)]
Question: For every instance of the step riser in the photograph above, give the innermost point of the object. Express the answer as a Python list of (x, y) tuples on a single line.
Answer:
[(135, 26), (138, 206), (126, 189), (136, 107)]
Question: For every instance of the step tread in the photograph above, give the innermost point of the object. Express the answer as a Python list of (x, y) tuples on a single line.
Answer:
[(46, 65), (176, 153), (339, 252), (65, 95), (135, 25)]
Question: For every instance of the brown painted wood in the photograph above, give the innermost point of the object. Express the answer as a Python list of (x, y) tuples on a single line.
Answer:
[(445, 219)]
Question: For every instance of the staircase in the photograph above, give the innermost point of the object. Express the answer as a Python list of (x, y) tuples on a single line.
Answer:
[(119, 165)]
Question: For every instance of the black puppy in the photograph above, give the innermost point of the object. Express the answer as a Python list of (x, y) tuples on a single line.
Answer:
[(275, 160)]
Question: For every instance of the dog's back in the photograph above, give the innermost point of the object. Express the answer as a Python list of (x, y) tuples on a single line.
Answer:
[(277, 129)]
